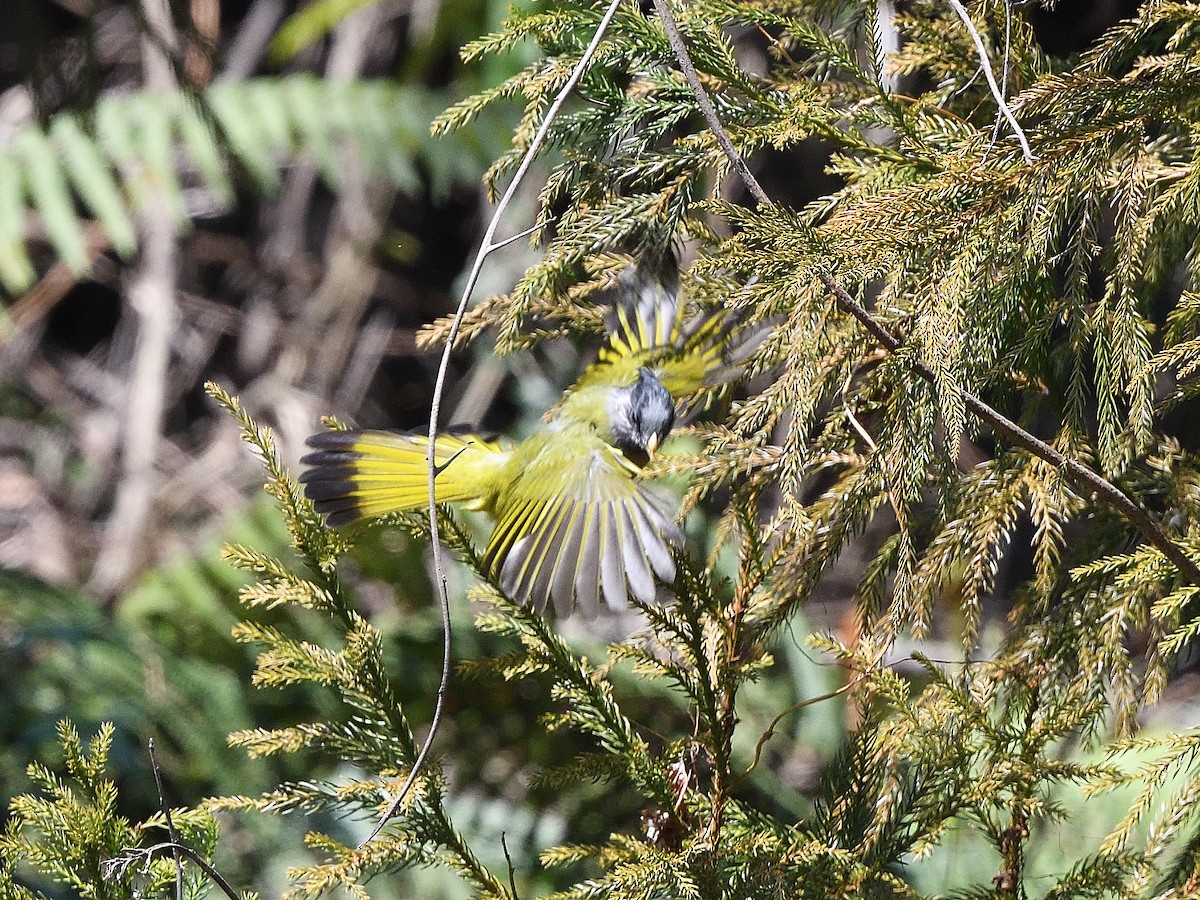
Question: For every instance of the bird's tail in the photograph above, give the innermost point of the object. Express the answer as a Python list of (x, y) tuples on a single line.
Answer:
[(362, 474)]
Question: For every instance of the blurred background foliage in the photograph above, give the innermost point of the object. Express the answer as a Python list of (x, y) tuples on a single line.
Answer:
[(267, 167)]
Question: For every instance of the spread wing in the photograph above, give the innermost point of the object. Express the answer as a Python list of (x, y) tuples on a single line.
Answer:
[(645, 329), (577, 526)]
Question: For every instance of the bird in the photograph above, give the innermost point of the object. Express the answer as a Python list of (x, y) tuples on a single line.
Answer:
[(575, 521)]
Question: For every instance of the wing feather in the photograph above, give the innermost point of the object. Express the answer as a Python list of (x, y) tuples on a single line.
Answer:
[(530, 553), (561, 582), (506, 534), (544, 579), (611, 566), (591, 545), (633, 553), (577, 525), (650, 523)]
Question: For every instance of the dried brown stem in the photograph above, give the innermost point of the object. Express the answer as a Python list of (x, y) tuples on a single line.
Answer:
[(153, 304)]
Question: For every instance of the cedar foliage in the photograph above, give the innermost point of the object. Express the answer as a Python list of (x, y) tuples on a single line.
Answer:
[(73, 833), (1062, 291)]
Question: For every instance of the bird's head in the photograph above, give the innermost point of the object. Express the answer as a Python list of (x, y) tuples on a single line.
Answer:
[(641, 416)]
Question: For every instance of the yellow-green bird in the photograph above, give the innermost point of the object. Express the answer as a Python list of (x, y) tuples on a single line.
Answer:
[(574, 520)]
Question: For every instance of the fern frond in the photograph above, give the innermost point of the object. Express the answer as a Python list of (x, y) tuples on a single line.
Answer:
[(150, 143)]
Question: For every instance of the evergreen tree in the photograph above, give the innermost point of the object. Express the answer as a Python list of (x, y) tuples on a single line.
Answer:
[(985, 343)]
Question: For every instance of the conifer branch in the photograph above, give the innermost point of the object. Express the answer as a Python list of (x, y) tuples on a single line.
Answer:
[(671, 27), (1076, 471)]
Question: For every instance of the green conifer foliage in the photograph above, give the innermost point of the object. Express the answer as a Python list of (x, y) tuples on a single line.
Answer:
[(71, 833)]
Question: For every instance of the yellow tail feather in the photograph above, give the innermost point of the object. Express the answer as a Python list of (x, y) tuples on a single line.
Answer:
[(363, 474)]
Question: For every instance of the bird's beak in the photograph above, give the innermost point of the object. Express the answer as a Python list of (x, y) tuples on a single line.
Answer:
[(652, 444)]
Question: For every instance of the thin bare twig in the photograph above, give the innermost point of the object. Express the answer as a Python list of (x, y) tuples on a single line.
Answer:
[(853, 419), (250, 43), (201, 863), (521, 234), (795, 707), (1003, 75), (985, 64), (1080, 474), (166, 811), (512, 878), (487, 246)]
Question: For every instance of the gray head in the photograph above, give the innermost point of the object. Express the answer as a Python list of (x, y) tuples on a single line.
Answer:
[(642, 416)]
